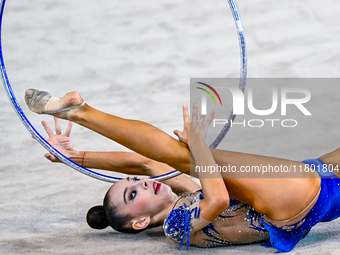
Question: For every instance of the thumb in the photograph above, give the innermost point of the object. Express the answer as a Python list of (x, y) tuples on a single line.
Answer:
[(178, 133), (50, 157)]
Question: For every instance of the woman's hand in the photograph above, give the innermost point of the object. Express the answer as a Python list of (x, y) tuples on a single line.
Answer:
[(59, 141), (185, 135), (199, 125)]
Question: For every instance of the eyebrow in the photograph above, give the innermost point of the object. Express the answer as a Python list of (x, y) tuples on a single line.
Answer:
[(124, 195)]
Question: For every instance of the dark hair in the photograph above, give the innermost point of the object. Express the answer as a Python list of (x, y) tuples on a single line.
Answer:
[(102, 216)]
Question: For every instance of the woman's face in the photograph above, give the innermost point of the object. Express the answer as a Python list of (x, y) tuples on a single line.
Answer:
[(143, 197)]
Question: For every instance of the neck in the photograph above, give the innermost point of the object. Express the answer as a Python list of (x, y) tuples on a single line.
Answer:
[(158, 219)]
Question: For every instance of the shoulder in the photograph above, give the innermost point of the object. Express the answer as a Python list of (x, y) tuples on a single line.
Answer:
[(179, 222)]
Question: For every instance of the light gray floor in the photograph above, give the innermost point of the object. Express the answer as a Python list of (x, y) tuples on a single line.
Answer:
[(135, 59)]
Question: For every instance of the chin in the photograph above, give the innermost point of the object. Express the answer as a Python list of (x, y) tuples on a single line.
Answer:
[(165, 190)]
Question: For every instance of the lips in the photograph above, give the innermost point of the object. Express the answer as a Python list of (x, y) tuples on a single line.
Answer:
[(156, 187)]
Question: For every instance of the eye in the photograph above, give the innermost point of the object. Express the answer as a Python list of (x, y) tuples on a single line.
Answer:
[(133, 194), (133, 178)]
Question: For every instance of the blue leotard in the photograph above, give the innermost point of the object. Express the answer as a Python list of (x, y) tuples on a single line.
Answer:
[(326, 208), (241, 220)]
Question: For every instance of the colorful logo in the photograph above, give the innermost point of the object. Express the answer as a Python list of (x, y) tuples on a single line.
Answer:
[(213, 90)]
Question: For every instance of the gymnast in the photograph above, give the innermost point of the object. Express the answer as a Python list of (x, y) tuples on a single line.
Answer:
[(287, 207), (236, 220)]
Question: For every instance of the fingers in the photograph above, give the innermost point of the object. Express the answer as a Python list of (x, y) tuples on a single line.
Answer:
[(186, 116), (57, 126), (68, 129), (211, 117), (207, 122), (194, 112), (201, 119), (50, 157), (47, 128)]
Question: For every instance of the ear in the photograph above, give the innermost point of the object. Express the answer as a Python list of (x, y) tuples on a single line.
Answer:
[(140, 223)]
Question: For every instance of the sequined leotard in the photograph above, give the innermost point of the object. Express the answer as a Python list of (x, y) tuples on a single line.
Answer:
[(326, 208), (239, 224)]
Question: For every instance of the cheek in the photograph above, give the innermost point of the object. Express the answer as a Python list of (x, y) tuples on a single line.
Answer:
[(141, 205)]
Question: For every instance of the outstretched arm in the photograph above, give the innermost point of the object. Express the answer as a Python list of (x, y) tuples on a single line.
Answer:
[(123, 162), (135, 164)]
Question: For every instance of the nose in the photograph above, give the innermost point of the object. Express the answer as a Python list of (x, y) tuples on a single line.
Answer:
[(145, 183)]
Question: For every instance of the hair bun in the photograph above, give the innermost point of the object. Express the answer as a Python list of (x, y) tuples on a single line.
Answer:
[(96, 217)]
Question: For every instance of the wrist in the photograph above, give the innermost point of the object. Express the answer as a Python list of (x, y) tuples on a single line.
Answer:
[(196, 139), (198, 147), (77, 157)]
